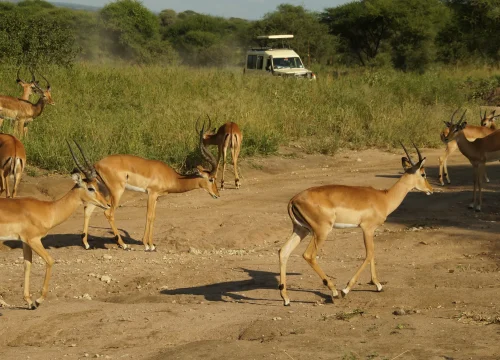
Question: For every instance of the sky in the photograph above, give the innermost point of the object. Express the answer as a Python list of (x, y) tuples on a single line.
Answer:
[(246, 9)]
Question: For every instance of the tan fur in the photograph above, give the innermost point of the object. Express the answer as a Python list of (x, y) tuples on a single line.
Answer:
[(12, 162), (478, 152), (317, 210), (227, 136), (151, 176), (29, 220)]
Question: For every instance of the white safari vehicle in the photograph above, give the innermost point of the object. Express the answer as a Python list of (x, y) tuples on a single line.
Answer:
[(278, 61)]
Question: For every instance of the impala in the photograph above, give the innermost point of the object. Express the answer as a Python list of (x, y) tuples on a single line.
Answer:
[(471, 132), (317, 210), (228, 135), (479, 152), (29, 219), (153, 177), (28, 87), (23, 111), (12, 162)]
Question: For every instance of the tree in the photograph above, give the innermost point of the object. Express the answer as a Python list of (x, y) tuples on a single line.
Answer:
[(311, 39), (133, 33)]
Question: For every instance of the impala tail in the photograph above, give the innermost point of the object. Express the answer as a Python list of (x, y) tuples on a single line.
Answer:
[(297, 217)]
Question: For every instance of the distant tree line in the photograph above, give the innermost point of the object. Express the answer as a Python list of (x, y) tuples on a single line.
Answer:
[(406, 34)]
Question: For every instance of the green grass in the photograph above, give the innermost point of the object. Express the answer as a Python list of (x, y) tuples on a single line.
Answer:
[(151, 111)]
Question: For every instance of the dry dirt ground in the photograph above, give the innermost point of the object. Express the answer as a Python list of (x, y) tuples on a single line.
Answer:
[(211, 289)]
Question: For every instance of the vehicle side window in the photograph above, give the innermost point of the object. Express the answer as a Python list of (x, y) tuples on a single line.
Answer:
[(260, 62), (251, 61)]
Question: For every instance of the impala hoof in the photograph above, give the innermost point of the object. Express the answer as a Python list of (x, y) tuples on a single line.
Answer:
[(344, 292)]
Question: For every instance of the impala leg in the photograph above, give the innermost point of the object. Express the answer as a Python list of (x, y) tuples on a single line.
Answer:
[(480, 175), (486, 175), (310, 256), (87, 213), (36, 245), (17, 178), (20, 128), (235, 152), (110, 215), (2, 182), (474, 174), (7, 186), (224, 154), (450, 148), (28, 260), (150, 217), (369, 247), (298, 234)]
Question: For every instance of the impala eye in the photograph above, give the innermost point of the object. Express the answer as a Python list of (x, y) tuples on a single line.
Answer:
[(90, 189), (211, 180)]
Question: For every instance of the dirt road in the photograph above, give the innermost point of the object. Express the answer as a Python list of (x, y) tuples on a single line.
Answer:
[(210, 291)]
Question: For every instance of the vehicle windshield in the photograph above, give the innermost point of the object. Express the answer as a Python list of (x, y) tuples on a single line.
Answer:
[(287, 63)]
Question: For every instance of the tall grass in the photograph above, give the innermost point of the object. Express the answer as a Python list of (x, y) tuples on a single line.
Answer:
[(151, 111)]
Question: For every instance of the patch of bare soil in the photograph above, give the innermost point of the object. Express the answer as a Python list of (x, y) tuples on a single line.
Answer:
[(211, 289)]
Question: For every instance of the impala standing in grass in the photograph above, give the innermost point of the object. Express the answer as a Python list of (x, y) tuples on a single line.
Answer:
[(23, 111), (29, 220), (317, 210), (153, 177)]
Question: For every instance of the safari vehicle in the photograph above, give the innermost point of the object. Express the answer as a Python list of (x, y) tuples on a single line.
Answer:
[(278, 61)]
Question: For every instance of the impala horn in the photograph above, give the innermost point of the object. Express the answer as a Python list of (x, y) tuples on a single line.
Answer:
[(452, 116), (407, 154), (78, 164), (47, 81), (90, 167), (420, 158)]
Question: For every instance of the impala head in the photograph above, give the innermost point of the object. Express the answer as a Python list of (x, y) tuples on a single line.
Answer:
[(29, 87), (416, 171), (452, 129), (210, 184), (488, 120), (44, 93), (92, 190)]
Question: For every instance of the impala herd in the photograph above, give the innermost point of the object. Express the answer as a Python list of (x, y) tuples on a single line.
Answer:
[(314, 211)]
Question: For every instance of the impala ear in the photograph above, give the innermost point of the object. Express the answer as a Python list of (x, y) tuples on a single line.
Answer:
[(77, 178), (405, 163)]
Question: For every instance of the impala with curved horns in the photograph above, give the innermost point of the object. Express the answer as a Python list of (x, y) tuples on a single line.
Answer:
[(23, 111), (479, 152), (471, 132), (227, 136), (28, 86), (153, 177), (29, 219), (317, 210), (12, 162)]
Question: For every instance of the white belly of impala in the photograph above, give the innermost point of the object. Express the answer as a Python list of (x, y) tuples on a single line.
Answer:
[(344, 226), (135, 188), (9, 237)]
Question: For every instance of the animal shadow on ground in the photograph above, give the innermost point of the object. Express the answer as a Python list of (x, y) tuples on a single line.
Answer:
[(56, 241), (259, 280)]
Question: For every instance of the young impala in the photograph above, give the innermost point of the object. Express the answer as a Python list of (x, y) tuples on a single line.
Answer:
[(12, 162), (471, 132), (153, 177), (317, 210), (228, 135), (23, 111), (479, 152), (29, 219)]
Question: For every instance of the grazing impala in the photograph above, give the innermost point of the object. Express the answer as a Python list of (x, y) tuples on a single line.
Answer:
[(228, 135), (29, 219), (479, 152), (23, 111), (471, 132), (155, 178), (12, 162), (317, 210)]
